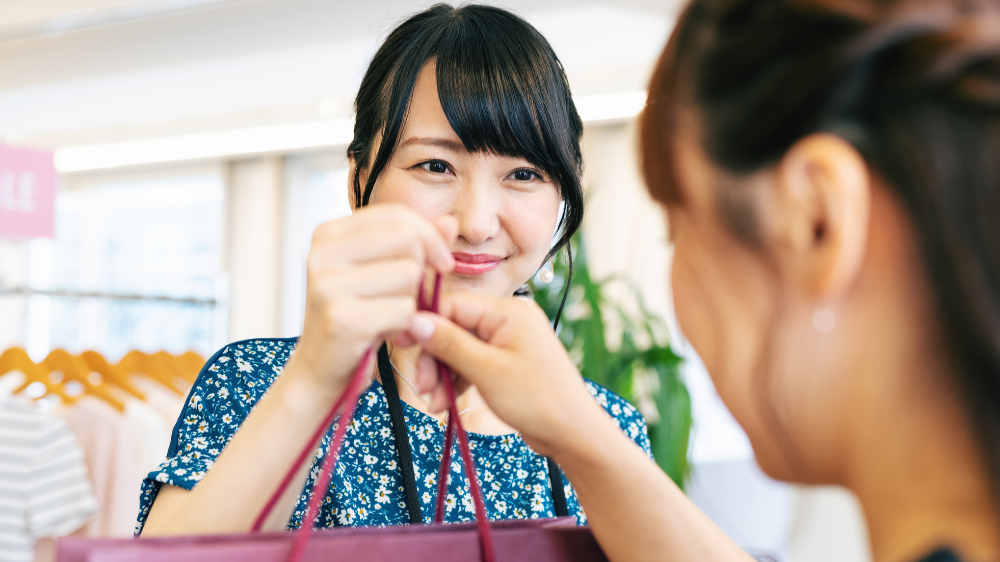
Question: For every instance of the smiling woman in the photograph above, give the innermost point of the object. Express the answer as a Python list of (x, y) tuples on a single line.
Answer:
[(466, 161)]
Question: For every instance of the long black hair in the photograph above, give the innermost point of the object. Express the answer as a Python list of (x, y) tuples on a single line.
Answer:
[(502, 89)]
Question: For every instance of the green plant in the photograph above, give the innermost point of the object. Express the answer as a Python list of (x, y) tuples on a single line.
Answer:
[(617, 343)]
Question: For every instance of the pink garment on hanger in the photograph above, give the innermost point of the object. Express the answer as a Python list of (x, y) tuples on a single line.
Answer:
[(113, 462)]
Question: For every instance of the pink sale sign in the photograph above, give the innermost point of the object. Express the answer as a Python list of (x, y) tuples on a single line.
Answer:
[(27, 193)]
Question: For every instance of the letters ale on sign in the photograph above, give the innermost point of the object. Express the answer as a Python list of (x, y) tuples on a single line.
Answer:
[(27, 193)]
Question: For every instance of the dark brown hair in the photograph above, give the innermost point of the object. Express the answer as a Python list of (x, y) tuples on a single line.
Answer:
[(914, 86)]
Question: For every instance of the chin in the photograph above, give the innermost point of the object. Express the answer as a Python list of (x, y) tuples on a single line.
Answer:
[(485, 284), (783, 461)]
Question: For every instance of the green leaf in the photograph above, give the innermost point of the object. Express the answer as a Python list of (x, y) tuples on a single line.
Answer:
[(583, 331)]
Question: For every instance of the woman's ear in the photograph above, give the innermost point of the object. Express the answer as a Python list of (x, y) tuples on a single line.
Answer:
[(826, 185)]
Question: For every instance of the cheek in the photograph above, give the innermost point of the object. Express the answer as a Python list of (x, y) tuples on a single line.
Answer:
[(717, 309), (395, 186), (529, 219)]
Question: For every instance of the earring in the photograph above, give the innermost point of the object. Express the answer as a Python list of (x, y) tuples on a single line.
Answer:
[(824, 320), (546, 275)]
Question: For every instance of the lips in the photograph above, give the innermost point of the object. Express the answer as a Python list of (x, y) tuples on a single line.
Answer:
[(475, 264)]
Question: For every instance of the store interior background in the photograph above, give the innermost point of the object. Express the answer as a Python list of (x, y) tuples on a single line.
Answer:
[(199, 142)]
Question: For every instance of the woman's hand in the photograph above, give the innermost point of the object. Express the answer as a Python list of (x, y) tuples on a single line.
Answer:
[(363, 273), (515, 360)]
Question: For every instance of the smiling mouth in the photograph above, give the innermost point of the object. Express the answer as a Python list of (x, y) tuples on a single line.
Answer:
[(475, 264)]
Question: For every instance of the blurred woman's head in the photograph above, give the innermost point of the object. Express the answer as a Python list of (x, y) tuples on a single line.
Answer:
[(832, 177), (468, 112)]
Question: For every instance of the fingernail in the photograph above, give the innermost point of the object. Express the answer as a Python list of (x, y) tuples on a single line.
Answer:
[(422, 327)]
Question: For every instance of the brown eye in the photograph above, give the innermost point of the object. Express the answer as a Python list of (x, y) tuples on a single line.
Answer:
[(524, 175)]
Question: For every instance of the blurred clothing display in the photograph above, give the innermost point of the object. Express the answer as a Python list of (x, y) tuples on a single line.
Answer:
[(44, 485), (77, 436), (113, 462)]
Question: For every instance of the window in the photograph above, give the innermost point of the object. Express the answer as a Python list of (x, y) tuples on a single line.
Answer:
[(135, 264)]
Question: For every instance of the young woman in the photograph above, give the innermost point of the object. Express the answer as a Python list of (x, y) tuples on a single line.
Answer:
[(466, 147), (832, 178)]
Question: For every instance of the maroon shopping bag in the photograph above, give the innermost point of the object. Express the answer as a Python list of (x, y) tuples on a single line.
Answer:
[(541, 540)]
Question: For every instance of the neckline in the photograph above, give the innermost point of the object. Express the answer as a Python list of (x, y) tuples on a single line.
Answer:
[(439, 425)]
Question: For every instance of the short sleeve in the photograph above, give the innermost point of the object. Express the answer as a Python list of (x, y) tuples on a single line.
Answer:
[(625, 415), (59, 497), (223, 395)]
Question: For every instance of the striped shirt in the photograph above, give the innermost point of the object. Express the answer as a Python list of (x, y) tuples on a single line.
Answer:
[(44, 487)]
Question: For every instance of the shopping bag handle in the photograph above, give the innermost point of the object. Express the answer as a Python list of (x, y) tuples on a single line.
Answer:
[(350, 399)]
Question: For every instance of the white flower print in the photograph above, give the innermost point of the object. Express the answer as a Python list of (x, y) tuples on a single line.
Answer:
[(537, 504), (367, 488), (346, 517)]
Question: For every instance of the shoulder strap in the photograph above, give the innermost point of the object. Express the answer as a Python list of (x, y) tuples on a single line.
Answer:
[(558, 494), (406, 456), (401, 434)]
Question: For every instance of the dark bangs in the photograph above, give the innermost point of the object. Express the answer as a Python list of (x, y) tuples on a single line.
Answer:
[(502, 89)]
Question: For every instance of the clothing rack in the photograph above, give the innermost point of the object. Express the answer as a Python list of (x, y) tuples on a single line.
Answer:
[(28, 291)]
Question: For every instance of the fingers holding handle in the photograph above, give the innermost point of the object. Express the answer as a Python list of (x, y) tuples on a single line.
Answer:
[(363, 273), (506, 348)]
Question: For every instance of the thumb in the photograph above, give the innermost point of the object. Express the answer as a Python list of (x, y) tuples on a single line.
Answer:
[(466, 354)]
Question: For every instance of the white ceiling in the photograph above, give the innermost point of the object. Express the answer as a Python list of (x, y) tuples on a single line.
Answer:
[(138, 68)]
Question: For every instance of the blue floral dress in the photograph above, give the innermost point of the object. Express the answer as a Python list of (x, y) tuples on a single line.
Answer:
[(367, 487)]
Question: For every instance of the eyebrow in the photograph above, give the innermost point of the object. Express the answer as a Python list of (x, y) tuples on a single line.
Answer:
[(454, 146)]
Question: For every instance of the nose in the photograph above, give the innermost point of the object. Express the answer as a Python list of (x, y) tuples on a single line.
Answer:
[(477, 209)]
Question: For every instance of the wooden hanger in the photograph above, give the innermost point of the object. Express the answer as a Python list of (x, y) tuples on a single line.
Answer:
[(73, 368), (16, 359), (138, 362), (192, 363), (111, 373)]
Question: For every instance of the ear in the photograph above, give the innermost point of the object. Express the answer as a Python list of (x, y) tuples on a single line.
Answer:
[(828, 188)]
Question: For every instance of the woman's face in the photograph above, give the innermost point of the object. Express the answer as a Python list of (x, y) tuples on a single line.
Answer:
[(506, 207), (722, 297), (811, 358)]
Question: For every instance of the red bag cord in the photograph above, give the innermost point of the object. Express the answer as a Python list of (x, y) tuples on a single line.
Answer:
[(351, 396), (308, 450)]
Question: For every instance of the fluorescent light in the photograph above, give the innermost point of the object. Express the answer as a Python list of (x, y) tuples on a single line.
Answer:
[(277, 138), (606, 107)]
